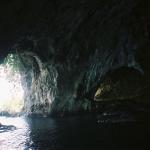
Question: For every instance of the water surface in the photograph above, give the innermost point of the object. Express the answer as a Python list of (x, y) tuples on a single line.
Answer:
[(73, 133)]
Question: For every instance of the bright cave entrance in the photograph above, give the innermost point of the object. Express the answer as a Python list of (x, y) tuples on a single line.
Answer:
[(11, 92)]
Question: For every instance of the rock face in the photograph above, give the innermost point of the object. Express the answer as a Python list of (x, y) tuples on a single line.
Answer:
[(70, 49), (121, 84), (39, 82)]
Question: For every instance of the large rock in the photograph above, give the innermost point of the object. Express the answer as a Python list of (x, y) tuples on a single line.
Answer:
[(121, 84), (68, 47)]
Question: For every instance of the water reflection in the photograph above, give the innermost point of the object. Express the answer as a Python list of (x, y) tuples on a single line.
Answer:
[(14, 139), (44, 133), (74, 133)]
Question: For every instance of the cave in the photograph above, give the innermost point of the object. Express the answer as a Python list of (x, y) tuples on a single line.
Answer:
[(80, 62)]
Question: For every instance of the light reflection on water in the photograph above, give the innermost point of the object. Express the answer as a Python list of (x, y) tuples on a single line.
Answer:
[(14, 139), (72, 133), (18, 133)]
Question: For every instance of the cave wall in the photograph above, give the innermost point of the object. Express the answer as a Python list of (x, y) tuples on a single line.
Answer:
[(73, 45), (39, 82)]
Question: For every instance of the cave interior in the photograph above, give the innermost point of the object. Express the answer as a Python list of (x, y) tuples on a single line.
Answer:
[(79, 56)]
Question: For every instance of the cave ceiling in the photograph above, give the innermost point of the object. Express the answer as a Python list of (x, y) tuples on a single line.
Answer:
[(78, 40)]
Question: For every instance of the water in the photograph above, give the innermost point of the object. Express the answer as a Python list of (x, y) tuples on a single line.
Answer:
[(74, 133)]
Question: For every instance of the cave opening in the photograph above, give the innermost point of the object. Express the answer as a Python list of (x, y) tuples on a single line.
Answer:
[(11, 96), (83, 69)]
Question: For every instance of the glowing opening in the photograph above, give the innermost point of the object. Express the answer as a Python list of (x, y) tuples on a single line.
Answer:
[(11, 92)]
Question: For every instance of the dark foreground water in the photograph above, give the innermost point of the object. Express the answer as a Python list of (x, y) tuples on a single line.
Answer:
[(74, 133)]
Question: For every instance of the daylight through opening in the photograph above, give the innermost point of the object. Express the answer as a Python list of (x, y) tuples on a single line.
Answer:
[(11, 95)]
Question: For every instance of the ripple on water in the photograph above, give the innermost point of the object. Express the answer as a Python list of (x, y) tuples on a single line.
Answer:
[(73, 133), (17, 137)]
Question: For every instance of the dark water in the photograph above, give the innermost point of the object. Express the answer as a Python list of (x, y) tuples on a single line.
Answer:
[(74, 133)]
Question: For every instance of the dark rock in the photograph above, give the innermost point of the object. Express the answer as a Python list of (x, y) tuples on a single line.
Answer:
[(68, 49), (6, 128), (121, 84)]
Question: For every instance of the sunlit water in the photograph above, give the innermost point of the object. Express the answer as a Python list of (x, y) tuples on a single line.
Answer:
[(74, 133), (14, 138)]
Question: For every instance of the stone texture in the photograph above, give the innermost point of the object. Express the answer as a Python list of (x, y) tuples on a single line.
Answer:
[(69, 47)]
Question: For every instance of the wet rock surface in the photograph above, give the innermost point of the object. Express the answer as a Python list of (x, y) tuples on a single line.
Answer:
[(6, 128), (121, 84), (69, 49)]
